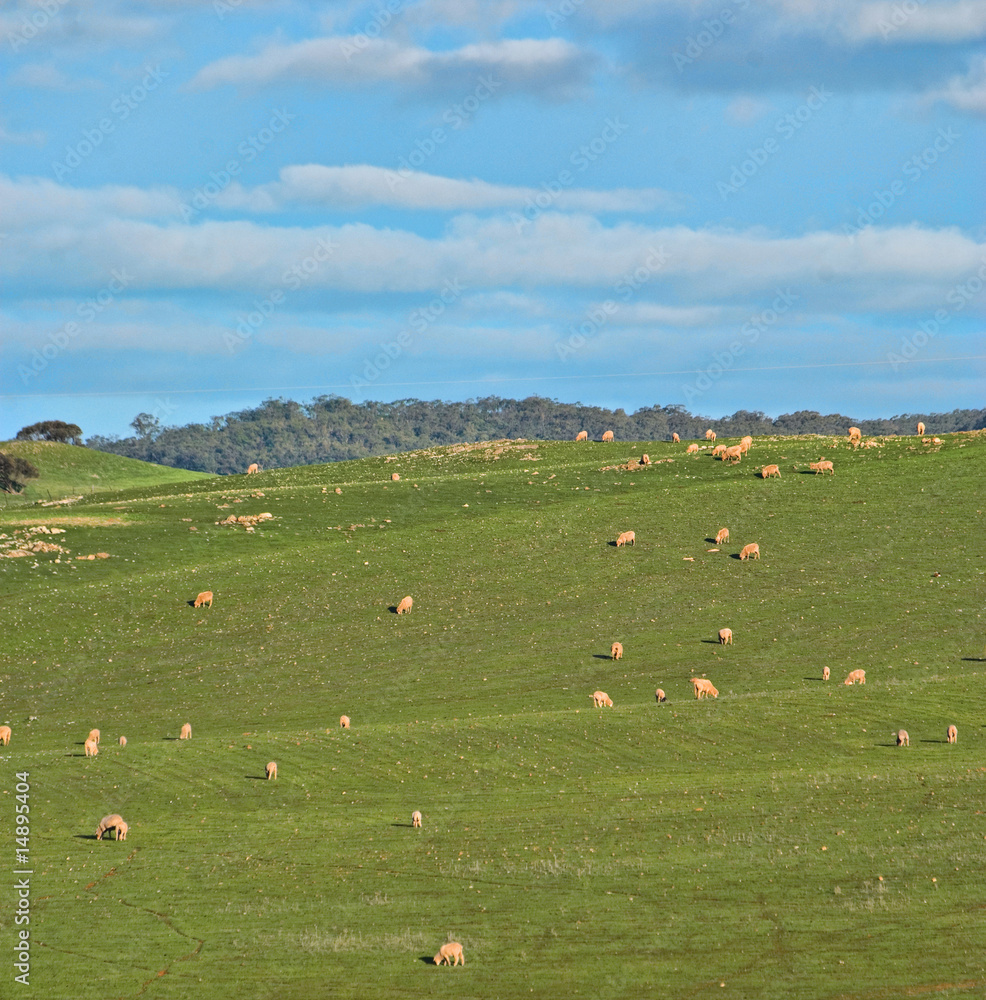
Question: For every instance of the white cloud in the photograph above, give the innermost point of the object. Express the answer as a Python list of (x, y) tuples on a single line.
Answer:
[(553, 67), (363, 185), (894, 21), (33, 138), (966, 92)]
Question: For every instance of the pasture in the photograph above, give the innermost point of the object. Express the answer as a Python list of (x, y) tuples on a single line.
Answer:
[(772, 842)]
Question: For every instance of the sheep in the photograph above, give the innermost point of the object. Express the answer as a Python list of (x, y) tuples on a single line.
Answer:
[(92, 748), (710, 435), (450, 954), (725, 636), (751, 551), (920, 429), (608, 436), (626, 538), (186, 732), (416, 819), (582, 436), (645, 460), (692, 449), (204, 598), (823, 466), (600, 699), (718, 451), (123, 741), (113, 822), (616, 652), (253, 467), (952, 734), (855, 434), (826, 673), (855, 677), (722, 535), (675, 438), (94, 735), (734, 452), (704, 687), (660, 696), (404, 608), (903, 740), (770, 470), (746, 443), (5, 735), (344, 721), (271, 770), (395, 477)]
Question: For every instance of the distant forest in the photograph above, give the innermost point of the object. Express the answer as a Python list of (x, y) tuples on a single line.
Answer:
[(281, 432)]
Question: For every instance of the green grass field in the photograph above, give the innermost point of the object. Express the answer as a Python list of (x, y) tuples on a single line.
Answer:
[(771, 843)]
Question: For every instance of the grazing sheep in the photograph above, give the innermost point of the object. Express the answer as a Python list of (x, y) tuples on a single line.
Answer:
[(645, 460), (855, 677), (725, 636), (253, 467), (746, 443), (710, 435), (608, 436), (344, 721), (123, 741), (600, 699), (626, 538), (903, 740), (616, 652), (5, 735), (722, 535), (395, 477), (660, 696), (920, 428), (953, 734), (718, 451), (825, 466), (94, 735), (416, 819), (404, 608), (675, 438), (704, 687), (826, 673), (113, 822), (450, 954), (271, 770), (855, 434), (204, 598), (751, 551), (582, 436), (770, 470), (734, 452), (92, 748), (692, 449), (186, 732)]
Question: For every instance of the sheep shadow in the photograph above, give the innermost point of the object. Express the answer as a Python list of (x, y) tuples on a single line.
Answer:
[(974, 659), (408, 826), (945, 742), (821, 680), (393, 609), (601, 656), (713, 642), (86, 836), (255, 777), (427, 959)]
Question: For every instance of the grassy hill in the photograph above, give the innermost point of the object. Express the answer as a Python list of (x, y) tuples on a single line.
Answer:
[(773, 842), (68, 470)]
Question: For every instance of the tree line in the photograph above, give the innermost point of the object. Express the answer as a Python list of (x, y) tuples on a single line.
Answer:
[(281, 432)]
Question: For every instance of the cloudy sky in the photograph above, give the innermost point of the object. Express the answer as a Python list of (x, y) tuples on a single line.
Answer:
[(761, 204)]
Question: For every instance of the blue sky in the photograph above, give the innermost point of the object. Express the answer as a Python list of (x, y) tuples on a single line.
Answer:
[(772, 205)]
